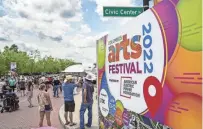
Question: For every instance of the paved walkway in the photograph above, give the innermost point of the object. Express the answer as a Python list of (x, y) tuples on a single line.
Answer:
[(78, 100), (27, 118)]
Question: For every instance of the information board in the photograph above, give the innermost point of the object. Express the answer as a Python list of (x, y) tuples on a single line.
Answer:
[(13, 66), (150, 70)]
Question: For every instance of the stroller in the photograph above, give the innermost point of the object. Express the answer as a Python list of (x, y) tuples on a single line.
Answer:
[(10, 102)]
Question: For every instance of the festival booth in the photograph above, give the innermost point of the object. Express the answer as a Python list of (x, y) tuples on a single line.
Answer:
[(150, 70), (75, 70)]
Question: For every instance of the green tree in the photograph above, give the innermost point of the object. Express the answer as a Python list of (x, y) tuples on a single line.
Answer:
[(30, 63), (14, 48)]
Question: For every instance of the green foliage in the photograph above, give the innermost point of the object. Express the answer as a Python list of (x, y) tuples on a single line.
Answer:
[(32, 63)]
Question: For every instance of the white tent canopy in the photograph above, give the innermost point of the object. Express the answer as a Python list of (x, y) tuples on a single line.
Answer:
[(94, 77), (74, 69)]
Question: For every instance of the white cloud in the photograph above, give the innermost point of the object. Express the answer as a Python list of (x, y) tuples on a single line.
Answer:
[(46, 10), (85, 28), (41, 24), (50, 17), (80, 48), (81, 41)]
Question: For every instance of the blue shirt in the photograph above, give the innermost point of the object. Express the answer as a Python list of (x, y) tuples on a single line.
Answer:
[(68, 90)]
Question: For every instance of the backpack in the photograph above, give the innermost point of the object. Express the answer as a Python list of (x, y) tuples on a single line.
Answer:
[(22, 84)]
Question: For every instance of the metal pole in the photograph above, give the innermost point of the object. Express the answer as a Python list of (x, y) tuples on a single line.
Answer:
[(146, 4)]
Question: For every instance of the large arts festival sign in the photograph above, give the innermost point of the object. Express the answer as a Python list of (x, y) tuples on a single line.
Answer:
[(149, 71)]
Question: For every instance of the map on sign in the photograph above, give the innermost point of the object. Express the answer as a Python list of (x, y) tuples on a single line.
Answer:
[(122, 11)]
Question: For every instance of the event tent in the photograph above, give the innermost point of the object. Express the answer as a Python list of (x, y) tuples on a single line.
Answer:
[(74, 69), (80, 70), (94, 77)]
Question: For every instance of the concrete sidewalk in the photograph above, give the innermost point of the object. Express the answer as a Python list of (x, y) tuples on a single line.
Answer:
[(76, 114), (28, 118)]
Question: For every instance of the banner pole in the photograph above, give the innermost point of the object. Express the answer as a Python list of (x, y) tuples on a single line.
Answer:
[(146, 4)]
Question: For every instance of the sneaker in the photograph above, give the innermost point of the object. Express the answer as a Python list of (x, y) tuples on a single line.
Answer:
[(87, 126)]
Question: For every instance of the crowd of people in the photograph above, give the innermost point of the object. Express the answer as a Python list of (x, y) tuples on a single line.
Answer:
[(66, 84), (19, 84)]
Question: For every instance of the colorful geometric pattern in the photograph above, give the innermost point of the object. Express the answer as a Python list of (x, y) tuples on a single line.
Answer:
[(181, 108)]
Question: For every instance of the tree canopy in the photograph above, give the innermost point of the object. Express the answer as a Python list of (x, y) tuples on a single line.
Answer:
[(30, 63)]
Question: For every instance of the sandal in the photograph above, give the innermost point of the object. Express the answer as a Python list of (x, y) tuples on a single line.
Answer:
[(67, 123), (73, 124)]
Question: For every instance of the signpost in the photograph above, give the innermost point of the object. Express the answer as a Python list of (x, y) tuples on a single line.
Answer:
[(122, 11), (13, 66), (146, 4)]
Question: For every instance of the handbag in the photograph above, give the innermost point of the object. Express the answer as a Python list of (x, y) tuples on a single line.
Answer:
[(47, 107)]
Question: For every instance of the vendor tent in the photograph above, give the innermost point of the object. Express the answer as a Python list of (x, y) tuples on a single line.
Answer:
[(74, 69), (94, 77)]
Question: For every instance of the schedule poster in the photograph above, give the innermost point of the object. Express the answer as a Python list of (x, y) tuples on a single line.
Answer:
[(150, 70)]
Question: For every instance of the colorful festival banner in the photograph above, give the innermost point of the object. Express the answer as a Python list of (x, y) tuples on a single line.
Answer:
[(150, 70)]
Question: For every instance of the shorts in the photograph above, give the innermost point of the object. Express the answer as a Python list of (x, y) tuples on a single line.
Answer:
[(69, 106), (22, 88), (12, 87), (29, 95)]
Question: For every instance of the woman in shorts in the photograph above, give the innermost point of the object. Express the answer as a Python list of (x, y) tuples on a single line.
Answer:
[(45, 105), (30, 93)]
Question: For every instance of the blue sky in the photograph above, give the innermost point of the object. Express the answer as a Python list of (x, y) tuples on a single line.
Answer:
[(91, 17), (60, 28)]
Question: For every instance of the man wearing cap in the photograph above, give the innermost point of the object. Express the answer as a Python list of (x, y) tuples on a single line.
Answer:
[(87, 101), (68, 91)]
